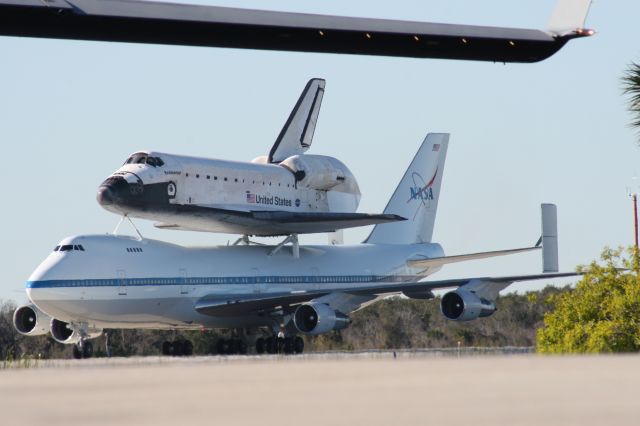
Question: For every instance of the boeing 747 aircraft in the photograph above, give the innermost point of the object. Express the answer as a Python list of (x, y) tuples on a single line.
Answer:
[(269, 296)]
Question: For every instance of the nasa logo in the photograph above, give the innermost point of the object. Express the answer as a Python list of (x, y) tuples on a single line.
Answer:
[(421, 190), (421, 193), (297, 202)]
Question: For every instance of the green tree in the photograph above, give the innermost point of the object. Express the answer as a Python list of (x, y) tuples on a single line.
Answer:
[(602, 314), (631, 88)]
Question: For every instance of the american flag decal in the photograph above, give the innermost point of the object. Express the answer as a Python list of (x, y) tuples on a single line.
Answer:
[(436, 147), (251, 198)]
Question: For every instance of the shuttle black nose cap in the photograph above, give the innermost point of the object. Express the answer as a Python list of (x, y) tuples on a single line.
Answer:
[(104, 196)]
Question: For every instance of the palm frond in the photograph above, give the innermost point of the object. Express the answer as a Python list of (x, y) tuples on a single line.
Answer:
[(631, 88)]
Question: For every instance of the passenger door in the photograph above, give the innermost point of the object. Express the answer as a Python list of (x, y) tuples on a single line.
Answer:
[(122, 282), (184, 285)]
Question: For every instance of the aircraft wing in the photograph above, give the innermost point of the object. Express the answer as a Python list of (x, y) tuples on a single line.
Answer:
[(155, 22), (244, 304), (268, 223), (429, 262)]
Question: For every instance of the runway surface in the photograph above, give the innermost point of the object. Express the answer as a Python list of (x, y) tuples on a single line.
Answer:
[(326, 390)]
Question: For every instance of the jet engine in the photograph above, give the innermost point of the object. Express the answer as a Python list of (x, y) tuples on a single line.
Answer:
[(31, 321), (62, 332), (321, 172), (318, 318), (462, 305)]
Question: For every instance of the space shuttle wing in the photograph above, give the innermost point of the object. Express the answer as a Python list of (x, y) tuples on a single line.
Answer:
[(307, 223), (297, 134), (268, 222)]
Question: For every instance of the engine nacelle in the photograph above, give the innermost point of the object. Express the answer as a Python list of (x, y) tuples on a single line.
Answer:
[(462, 305), (318, 318), (62, 332), (321, 172), (31, 321)]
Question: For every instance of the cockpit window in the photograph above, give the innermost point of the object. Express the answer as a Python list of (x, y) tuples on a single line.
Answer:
[(69, 247), (137, 158), (142, 158), (155, 161)]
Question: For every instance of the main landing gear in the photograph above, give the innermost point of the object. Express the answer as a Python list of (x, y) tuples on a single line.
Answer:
[(231, 347), (83, 349), (177, 348), (279, 345)]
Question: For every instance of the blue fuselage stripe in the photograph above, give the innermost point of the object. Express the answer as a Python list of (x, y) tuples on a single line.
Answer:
[(193, 281)]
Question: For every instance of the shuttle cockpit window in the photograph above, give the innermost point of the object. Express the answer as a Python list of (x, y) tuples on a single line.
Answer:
[(137, 158), (155, 161), (142, 158)]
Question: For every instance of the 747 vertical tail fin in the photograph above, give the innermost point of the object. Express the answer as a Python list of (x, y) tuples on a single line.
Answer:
[(416, 197)]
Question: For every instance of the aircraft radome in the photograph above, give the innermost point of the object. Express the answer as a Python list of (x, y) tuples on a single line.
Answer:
[(270, 295)]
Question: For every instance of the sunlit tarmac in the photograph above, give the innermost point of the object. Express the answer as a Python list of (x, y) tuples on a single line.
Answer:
[(326, 390)]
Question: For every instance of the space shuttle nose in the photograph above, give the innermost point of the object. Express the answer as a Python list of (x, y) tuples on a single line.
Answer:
[(104, 196)]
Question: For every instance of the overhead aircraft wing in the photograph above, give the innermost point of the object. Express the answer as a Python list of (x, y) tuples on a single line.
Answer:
[(297, 134), (191, 25), (268, 223), (244, 304)]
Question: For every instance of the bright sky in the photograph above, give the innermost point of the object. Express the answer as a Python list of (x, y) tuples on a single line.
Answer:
[(556, 131)]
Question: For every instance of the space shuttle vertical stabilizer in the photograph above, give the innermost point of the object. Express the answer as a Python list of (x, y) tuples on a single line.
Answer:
[(297, 134)]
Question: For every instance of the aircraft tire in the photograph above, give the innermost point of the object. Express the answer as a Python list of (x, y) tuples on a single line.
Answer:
[(271, 345), (260, 346), (77, 353), (233, 347), (166, 348), (187, 348), (287, 345), (87, 350), (221, 347), (242, 347), (178, 348), (298, 345)]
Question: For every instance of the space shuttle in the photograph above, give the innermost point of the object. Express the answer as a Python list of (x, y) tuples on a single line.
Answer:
[(286, 192)]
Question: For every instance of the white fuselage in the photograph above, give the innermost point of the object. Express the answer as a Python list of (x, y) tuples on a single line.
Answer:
[(122, 282), (328, 186)]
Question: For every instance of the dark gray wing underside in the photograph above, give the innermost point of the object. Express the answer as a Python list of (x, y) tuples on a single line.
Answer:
[(267, 223), (195, 25)]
